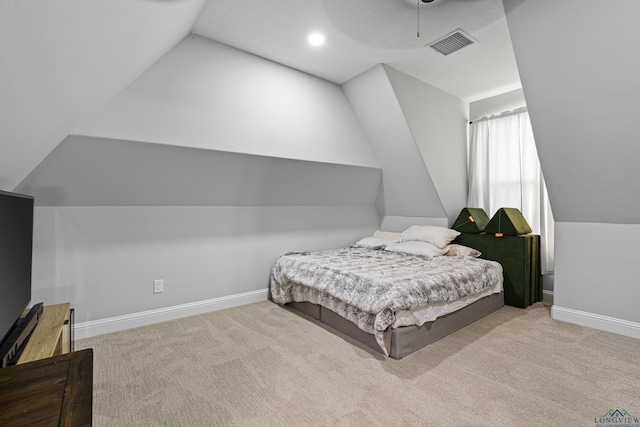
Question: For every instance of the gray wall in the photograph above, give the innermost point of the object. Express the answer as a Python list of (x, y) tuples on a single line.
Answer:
[(438, 122), (578, 63), (104, 258), (212, 164), (407, 187), (91, 171), (584, 102)]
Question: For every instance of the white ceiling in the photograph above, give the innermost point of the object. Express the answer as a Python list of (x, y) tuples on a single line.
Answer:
[(62, 60), (363, 33)]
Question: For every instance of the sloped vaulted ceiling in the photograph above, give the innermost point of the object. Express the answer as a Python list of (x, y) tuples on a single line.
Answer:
[(62, 60), (209, 125), (579, 64)]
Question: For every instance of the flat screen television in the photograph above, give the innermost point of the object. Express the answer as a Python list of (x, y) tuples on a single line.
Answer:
[(16, 245)]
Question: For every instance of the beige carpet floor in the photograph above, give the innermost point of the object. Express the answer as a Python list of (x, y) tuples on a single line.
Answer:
[(263, 365)]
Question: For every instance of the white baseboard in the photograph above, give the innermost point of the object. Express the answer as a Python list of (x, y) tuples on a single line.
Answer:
[(143, 318), (596, 321)]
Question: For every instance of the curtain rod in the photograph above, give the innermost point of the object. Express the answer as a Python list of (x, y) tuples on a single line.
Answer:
[(501, 115)]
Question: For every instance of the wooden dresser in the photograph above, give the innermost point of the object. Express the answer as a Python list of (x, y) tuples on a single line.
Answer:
[(49, 385), (51, 336), (55, 391)]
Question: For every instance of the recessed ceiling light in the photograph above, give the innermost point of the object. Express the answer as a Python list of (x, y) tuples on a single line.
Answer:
[(316, 39)]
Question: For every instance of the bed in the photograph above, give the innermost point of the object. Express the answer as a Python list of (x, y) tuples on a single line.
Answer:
[(394, 292)]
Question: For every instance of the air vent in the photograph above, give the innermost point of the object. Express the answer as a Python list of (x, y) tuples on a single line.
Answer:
[(452, 42)]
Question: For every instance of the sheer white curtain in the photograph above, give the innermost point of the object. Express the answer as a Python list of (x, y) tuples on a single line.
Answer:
[(504, 171)]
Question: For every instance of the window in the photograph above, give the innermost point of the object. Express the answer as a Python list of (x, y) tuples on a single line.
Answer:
[(504, 171)]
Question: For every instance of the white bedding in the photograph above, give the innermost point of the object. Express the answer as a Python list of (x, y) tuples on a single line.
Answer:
[(431, 312)]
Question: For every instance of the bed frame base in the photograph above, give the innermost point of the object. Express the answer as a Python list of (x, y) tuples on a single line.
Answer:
[(407, 339)]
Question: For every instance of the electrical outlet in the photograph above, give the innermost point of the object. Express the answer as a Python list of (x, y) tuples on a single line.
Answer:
[(158, 286)]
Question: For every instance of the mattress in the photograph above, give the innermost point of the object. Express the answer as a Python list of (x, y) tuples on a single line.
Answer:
[(430, 312)]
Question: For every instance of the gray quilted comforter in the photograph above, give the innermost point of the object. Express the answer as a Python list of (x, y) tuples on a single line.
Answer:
[(368, 286)]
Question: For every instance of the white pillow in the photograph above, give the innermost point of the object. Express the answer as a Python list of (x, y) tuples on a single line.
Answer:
[(417, 247), (373, 242), (396, 237), (439, 236)]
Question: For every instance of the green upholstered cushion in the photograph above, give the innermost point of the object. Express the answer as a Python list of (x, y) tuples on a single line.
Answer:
[(520, 259), (471, 220), (509, 222)]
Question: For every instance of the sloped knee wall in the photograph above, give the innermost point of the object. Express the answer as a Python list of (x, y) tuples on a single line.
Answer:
[(112, 216)]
